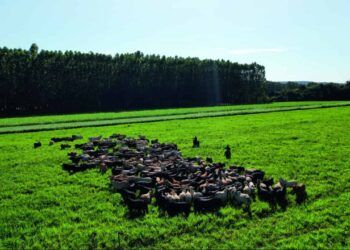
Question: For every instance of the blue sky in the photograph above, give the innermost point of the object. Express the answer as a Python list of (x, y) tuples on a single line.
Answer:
[(294, 40)]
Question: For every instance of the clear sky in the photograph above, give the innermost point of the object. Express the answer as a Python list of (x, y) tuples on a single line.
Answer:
[(293, 39)]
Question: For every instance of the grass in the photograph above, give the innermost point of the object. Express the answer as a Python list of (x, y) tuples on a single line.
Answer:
[(54, 119), (42, 206), (16, 125)]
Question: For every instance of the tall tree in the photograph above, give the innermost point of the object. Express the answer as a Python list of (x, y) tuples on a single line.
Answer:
[(40, 81)]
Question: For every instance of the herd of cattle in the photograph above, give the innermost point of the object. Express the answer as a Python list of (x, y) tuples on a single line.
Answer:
[(143, 171)]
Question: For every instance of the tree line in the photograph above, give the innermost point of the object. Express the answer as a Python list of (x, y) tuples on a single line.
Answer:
[(294, 91), (38, 82), (44, 82)]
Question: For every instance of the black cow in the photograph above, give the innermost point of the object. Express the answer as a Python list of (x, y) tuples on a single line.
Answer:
[(60, 139), (206, 204), (195, 142), (127, 194), (300, 191), (280, 196), (209, 160), (137, 205), (257, 175), (37, 144), (174, 208), (228, 152), (64, 146), (267, 195)]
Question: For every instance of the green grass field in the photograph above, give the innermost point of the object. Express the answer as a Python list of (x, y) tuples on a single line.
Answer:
[(42, 123), (42, 206), (35, 120)]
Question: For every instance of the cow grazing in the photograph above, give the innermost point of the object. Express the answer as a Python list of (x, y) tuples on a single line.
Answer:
[(300, 192), (174, 208), (265, 193), (37, 144), (195, 142), (207, 204), (228, 152), (64, 146), (138, 206)]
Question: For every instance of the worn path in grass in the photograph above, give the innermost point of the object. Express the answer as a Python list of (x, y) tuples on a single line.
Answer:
[(47, 119), (42, 206), (20, 125)]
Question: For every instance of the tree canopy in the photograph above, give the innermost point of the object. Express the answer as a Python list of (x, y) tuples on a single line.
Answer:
[(294, 91), (33, 81), (38, 82)]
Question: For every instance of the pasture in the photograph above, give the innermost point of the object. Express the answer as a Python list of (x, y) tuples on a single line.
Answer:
[(42, 206), (53, 122)]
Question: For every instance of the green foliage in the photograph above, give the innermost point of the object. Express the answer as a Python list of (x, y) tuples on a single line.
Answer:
[(34, 49), (43, 206), (42, 82), (293, 91)]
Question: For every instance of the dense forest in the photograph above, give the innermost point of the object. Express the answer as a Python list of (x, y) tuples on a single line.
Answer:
[(33, 81), (42, 82), (294, 91)]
